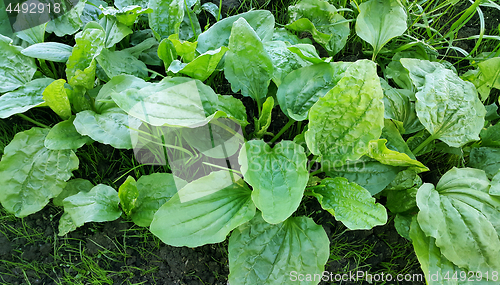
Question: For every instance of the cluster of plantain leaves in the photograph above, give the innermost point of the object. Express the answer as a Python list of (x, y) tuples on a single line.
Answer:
[(224, 181)]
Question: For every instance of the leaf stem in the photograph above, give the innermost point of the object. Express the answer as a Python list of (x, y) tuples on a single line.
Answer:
[(423, 144), (316, 172), (33, 121), (283, 130)]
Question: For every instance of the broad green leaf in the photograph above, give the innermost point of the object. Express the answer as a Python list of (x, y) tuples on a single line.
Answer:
[(178, 101), (109, 127), (396, 71), (430, 257), (5, 27), (379, 21), (342, 123), (120, 4), (126, 15), (322, 20), (284, 60), (265, 117), (16, 69), (379, 151), (66, 224), (402, 201), (167, 52), (34, 35), (141, 47), (307, 52), (80, 69), (491, 112), (491, 136), (247, 66), (217, 139), (463, 218), (282, 34), (64, 136), (115, 63), (100, 204), (32, 174), (417, 139), (266, 254), (128, 195), (261, 21), (350, 203), (303, 87), (166, 17), (52, 51), (234, 109), (115, 31), (190, 25), (405, 179), (367, 173), (154, 191), (56, 97), (398, 106), (394, 139), (24, 98), (488, 76), (278, 177), (202, 66), (495, 185), (204, 211), (402, 225), (446, 105), (117, 84), (185, 49), (74, 186), (485, 158), (68, 23)]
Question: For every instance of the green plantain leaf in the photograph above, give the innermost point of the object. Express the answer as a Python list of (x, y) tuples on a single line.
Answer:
[(128, 195), (100, 204), (32, 174), (431, 259), (248, 67), (284, 60), (350, 203), (74, 186), (367, 173), (115, 31), (495, 185), (266, 254), (402, 225), (56, 97), (68, 23), (234, 109), (154, 191), (167, 52), (202, 66), (265, 117), (166, 18), (80, 69), (491, 136), (463, 218), (261, 21), (16, 69), (307, 52), (323, 21), (52, 51), (377, 150), (24, 98), (178, 101), (185, 49), (117, 84), (485, 158), (342, 123), (115, 63), (127, 15), (5, 26), (109, 127), (398, 106), (278, 177), (64, 136), (379, 21), (204, 211), (447, 106), (303, 87)]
